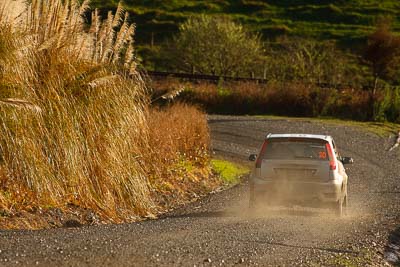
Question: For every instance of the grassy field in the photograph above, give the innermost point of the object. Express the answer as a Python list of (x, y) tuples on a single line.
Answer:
[(346, 21)]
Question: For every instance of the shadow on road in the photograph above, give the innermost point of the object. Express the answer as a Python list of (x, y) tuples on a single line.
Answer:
[(244, 214), (385, 192)]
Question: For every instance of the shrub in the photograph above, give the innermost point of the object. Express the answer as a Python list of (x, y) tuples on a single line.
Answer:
[(387, 108), (215, 45), (383, 52), (177, 164), (308, 61), (290, 99)]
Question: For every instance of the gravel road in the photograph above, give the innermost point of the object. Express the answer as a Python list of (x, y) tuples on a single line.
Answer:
[(218, 231)]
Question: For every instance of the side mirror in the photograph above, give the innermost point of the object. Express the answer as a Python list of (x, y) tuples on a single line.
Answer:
[(253, 157), (347, 160)]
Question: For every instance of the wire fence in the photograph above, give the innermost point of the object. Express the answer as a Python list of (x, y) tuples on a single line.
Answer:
[(216, 79)]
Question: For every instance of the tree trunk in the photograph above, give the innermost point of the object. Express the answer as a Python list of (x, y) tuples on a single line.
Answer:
[(372, 98)]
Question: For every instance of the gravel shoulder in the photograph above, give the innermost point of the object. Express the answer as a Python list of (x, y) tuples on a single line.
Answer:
[(218, 230)]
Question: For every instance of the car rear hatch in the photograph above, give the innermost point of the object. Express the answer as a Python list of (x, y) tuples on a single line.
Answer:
[(295, 159)]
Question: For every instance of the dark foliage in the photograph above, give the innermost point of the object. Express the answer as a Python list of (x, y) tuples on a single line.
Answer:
[(383, 52)]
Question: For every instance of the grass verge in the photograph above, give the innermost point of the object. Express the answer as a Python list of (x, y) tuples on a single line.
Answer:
[(363, 258), (229, 172), (382, 129)]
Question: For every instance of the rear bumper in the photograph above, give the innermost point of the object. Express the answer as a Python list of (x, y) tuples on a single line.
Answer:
[(296, 190)]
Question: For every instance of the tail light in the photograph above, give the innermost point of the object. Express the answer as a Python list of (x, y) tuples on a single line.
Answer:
[(332, 164), (261, 154)]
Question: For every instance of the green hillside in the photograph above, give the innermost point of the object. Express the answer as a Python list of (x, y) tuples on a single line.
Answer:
[(346, 21)]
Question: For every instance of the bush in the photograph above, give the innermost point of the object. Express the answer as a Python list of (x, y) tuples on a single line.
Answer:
[(387, 108), (214, 45), (309, 61), (178, 163), (383, 53), (290, 99)]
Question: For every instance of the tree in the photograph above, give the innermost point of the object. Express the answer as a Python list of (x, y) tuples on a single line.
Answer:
[(383, 52), (215, 45), (309, 61)]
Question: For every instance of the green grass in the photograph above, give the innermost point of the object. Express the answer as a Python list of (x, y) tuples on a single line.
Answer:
[(229, 172), (382, 129), (346, 22), (363, 258), (315, 18)]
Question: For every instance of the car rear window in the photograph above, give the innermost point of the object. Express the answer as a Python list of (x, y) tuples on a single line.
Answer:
[(296, 148)]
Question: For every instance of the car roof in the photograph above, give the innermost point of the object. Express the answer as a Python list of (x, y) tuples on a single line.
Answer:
[(313, 136)]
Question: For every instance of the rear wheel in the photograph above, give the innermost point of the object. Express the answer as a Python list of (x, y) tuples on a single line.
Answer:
[(345, 201), (252, 197), (252, 204), (342, 203), (339, 207)]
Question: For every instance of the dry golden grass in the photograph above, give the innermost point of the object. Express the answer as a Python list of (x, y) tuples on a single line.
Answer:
[(180, 140), (82, 148), (74, 120)]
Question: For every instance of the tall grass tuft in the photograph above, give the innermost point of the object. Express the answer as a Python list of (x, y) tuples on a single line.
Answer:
[(73, 114), (178, 167)]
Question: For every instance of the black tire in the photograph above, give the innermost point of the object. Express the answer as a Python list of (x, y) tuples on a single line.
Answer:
[(252, 211), (342, 203), (252, 204), (345, 201), (339, 208), (252, 197)]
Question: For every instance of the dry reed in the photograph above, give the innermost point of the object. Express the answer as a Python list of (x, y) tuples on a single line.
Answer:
[(84, 147), (75, 124)]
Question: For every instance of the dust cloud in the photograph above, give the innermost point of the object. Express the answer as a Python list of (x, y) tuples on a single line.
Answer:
[(277, 206), (308, 223)]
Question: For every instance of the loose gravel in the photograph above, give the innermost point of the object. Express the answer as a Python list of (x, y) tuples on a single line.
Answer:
[(219, 231)]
